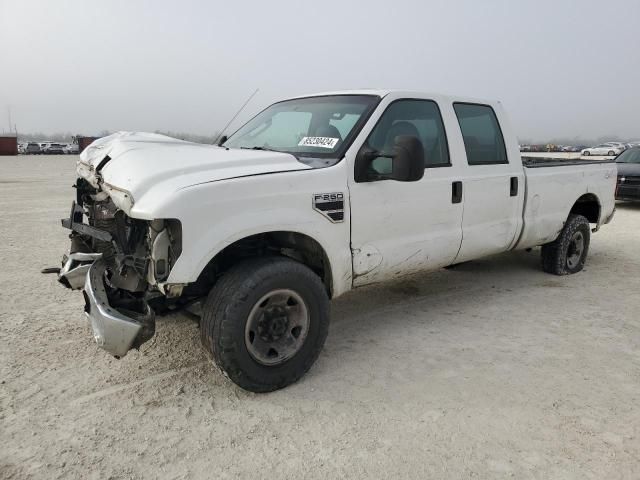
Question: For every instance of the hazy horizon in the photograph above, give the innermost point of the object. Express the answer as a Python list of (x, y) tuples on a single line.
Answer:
[(560, 70)]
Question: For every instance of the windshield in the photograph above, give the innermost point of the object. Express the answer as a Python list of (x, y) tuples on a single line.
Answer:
[(629, 156), (318, 127)]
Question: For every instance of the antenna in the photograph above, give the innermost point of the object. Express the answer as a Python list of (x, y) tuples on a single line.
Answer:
[(236, 115)]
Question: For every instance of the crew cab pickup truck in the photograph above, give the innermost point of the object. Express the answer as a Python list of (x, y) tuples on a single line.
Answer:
[(313, 197)]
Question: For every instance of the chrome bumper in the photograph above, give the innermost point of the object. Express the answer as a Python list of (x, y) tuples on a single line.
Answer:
[(74, 271), (113, 331)]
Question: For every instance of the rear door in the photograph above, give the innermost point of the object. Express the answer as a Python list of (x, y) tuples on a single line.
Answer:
[(493, 186)]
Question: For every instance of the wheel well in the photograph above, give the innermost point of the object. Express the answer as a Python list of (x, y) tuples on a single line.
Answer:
[(588, 206), (295, 245)]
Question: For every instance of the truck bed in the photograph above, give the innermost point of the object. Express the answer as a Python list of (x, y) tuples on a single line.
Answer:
[(537, 162), (552, 192)]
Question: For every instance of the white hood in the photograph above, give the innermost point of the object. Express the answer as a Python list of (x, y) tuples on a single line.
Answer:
[(138, 162)]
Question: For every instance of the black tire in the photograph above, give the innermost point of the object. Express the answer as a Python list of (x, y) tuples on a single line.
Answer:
[(561, 257), (226, 313), (587, 153), (611, 153)]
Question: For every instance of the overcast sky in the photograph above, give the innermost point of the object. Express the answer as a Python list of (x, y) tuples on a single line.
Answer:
[(561, 68)]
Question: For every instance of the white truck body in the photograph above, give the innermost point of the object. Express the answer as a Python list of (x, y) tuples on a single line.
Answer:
[(455, 213), (390, 229)]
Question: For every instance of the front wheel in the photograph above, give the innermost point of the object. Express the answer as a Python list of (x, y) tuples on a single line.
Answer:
[(611, 153), (587, 153), (265, 322), (567, 254)]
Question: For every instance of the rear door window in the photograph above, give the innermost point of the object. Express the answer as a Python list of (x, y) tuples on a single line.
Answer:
[(483, 140)]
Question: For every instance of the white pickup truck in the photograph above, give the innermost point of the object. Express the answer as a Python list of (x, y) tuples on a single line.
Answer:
[(314, 196)]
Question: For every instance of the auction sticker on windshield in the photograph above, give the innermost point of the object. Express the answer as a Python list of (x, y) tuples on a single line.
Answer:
[(323, 142)]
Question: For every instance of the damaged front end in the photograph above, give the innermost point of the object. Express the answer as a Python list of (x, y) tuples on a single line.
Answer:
[(121, 263)]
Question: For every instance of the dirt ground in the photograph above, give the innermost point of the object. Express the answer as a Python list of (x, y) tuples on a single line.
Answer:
[(491, 370)]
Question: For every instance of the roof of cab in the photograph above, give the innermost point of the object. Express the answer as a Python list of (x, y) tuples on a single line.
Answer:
[(399, 93)]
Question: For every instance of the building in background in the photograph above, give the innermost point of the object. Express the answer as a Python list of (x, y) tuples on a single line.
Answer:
[(83, 142)]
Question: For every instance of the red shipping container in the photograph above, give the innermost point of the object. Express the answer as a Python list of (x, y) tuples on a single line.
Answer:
[(8, 146)]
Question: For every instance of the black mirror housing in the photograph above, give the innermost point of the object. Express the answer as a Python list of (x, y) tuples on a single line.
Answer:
[(407, 159), (364, 157)]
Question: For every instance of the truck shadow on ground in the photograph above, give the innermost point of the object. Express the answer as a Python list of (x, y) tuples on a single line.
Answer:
[(627, 206), (497, 273)]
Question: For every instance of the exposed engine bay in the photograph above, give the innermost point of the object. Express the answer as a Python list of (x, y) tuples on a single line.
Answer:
[(121, 262)]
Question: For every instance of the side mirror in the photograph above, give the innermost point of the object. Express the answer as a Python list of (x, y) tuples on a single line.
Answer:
[(407, 161)]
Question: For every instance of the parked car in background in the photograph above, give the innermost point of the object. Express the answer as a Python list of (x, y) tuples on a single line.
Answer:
[(53, 149), (71, 149), (621, 145), (628, 186), (32, 148), (21, 148), (603, 149)]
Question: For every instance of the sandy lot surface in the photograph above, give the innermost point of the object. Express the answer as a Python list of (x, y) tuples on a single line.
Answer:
[(490, 370)]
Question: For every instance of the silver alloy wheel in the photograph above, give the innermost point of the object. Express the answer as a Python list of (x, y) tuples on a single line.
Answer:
[(576, 247), (277, 327)]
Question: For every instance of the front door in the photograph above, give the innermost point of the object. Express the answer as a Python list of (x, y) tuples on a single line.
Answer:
[(399, 228)]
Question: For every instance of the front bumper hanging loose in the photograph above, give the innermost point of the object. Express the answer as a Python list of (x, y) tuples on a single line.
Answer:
[(74, 271), (113, 330)]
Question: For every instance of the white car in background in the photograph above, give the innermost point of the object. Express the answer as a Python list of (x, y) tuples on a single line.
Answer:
[(71, 149), (623, 146), (53, 149), (606, 149)]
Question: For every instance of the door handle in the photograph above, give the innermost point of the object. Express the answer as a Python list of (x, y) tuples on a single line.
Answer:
[(514, 186), (456, 192)]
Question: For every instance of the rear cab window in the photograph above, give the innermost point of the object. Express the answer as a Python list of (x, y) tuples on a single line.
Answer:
[(483, 140)]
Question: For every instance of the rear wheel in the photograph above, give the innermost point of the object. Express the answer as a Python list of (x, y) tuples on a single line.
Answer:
[(611, 153), (586, 153), (567, 254), (265, 322)]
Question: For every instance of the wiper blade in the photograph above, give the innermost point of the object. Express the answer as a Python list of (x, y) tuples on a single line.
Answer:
[(265, 149), (258, 148)]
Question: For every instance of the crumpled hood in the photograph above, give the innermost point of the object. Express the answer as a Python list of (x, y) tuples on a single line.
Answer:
[(134, 163)]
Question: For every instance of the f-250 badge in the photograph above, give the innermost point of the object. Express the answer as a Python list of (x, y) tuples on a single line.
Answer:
[(331, 205)]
